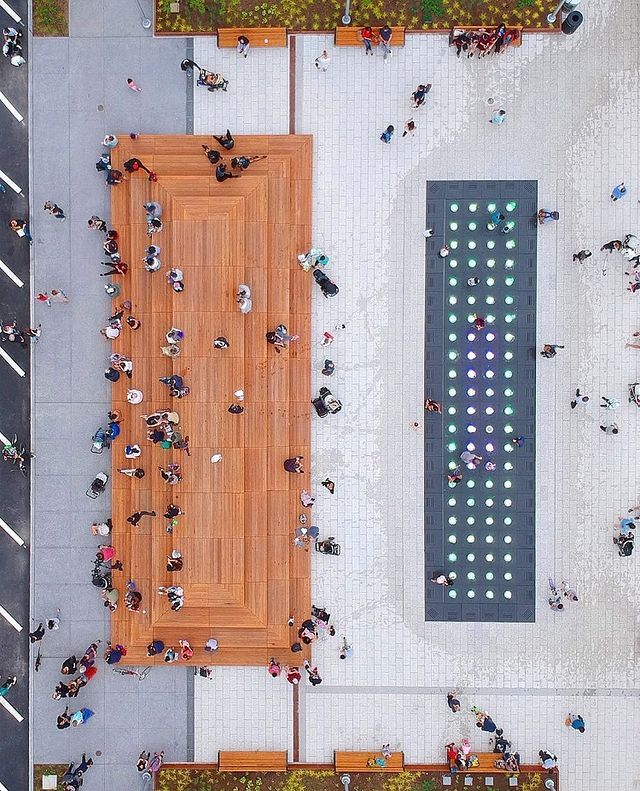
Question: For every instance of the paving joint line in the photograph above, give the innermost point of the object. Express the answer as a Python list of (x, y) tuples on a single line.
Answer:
[(506, 691)]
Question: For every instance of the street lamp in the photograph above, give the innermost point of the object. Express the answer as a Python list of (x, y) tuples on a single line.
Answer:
[(566, 5), (144, 19), (346, 18)]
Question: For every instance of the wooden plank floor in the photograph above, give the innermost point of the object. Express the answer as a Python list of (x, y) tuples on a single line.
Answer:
[(242, 576)]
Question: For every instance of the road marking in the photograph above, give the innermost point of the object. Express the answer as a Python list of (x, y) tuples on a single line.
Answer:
[(12, 534), (12, 363), (5, 441), (11, 711), (8, 617), (16, 280), (13, 110), (3, 787), (10, 183), (10, 11)]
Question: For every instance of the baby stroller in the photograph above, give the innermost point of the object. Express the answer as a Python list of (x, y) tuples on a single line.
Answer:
[(100, 441), (328, 546), (326, 402), (634, 393), (625, 545), (101, 575), (212, 81), (327, 286), (98, 485)]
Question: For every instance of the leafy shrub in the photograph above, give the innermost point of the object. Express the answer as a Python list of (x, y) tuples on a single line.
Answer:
[(432, 9), (521, 4)]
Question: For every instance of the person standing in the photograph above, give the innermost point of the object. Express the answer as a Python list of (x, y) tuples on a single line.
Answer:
[(4, 688), (131, 84), (498, 118), (582, 255), (322, 61)]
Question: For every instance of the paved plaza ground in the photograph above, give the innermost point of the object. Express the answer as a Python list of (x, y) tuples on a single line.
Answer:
[(571, 104)]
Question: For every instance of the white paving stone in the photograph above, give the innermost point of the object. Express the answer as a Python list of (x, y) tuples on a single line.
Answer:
[(571, 104)]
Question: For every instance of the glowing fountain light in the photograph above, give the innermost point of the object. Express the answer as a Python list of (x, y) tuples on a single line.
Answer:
[(511, 205), (453, 337), (453, 244), (454, 207), (471, 374), (453, 226), (490, 245), (471, 392), (471, 429), (471, 410), (472, 226), (471, 336), (453, 281)]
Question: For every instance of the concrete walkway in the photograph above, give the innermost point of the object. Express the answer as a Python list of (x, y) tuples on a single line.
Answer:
[(79, 95), (569, 126)]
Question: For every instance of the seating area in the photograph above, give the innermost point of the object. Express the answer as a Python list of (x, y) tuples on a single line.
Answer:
[(350, 36), (513, 33), (362, 762), (242, 577), (252, 761), (486, 765), (258, 36)]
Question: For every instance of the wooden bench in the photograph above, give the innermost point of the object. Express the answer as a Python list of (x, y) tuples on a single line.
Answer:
[(514, 30), (252, 761), (258, 36), (350, 36), (359, 762), (486, 765)]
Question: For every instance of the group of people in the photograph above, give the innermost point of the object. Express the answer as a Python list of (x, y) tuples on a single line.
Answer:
[(12, 46), (461, 757), (483, 42), (238, 164)]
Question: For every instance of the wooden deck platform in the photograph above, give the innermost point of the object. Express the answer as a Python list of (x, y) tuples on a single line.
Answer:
[(242, 576)]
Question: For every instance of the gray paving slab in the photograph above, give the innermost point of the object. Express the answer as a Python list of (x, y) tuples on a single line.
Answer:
[(107, 45)]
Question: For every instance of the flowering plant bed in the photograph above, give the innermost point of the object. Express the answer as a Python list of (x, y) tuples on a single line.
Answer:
[(192, 778), (205, 16)]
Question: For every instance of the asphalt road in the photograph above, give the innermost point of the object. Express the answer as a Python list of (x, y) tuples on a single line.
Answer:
[(15, 415)]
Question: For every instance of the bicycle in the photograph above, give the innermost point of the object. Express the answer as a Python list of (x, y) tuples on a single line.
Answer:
[(139, 674)]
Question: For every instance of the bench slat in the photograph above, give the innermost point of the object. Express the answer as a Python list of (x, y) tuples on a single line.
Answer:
[(350, 36), (258, 36), (252, 761), (358, 762)]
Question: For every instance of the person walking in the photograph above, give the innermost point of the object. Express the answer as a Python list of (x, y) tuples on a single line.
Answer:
[(609, 403), (498, 117), (576, 722), (580, 399), (131, 84), (137, 516), (419, 96), (110, 141), (54, 210), (294, 464), (55, 295), (582, 255), (410, 128), (322, 61), (555, 600), (387, 134), (610, 428), (549, 350), (619, 191), (37, 633), (452, 702), (96, 223)]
